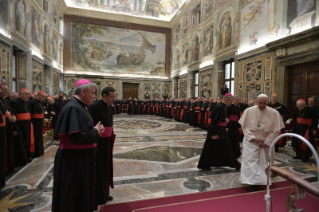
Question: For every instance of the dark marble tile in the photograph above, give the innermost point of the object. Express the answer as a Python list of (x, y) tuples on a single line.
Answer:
[(198, 185), (160, 153)]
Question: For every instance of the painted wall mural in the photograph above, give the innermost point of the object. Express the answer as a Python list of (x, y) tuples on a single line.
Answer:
[(37, 73), (185, 25), (205, 83), (4, 14), (300, 15), (47, 80), (36, 28), (225, 31), (254, 32), (164, 10), (117, 50), (156, 90), (207, 8), (195, 48), (177, 59), (177, 33), (22, 71), (56, 82), (183, 87), (21, 17), (220, 4), (208, 41), (186, 54)]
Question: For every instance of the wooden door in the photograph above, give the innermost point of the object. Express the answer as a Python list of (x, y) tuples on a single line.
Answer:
[(303, 82), (130, 90)]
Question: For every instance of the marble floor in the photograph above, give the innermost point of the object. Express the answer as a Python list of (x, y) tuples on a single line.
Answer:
[(153, 157)]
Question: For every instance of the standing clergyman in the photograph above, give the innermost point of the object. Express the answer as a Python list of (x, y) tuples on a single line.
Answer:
[(74, 163), (261, 125), (101, 111)]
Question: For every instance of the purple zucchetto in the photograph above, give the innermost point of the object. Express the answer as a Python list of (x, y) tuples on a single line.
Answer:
[(82, 82), (228, 94)]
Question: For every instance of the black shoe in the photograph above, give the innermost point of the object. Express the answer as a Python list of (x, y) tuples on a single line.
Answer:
[(305, 159), (296, 157), (110, 198), (206, 169), (253, 188), (238, 168), (276, 148)]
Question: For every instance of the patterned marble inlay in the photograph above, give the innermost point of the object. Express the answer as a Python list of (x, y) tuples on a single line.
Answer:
[(161, 153), (137, 124)]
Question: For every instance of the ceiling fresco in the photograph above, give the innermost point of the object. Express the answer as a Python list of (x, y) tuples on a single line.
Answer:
[(157, 9)]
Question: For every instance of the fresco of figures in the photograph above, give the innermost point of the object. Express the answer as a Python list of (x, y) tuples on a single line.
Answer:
[(185, 25), (154, 8), (117, 50), (177, 33), (195, 49), (207, 8), (35, 28), (4, 14), (47, 40), (225, 31), (21, 17), (254, 25), (208, 41), (177, 59), (186, 55), (54, 46)]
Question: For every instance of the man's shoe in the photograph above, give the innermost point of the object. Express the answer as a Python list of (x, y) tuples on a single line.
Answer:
[(305, 159), (253, 188), (238, 168), (110, 198), (296, 157)]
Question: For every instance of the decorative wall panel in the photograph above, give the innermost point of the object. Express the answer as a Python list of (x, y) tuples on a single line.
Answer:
[(183, 87), (258, 73), (156, 90), (205, 84), (37, 74), (56, 82), (5, 60)]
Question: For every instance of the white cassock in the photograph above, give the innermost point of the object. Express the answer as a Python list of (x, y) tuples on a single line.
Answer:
[(265, 125)]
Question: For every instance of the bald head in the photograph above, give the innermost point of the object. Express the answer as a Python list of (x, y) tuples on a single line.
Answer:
[(274, 98), (301, 104)]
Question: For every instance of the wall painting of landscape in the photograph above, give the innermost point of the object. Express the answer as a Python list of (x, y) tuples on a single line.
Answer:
[(105, 49)]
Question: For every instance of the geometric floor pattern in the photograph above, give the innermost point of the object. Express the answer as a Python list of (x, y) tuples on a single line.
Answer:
[(153, 157)]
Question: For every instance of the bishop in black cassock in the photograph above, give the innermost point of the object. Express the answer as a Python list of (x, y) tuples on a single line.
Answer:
[(101, 112), (217, 150), (74, 164)]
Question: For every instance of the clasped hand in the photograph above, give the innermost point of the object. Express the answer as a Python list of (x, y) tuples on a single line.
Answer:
[(99, 127), (259, 142)]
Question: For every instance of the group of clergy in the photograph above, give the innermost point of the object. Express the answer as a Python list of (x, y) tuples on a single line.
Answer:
[(22, 118)]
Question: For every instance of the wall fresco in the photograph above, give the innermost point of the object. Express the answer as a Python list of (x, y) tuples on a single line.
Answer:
[(117, 50)]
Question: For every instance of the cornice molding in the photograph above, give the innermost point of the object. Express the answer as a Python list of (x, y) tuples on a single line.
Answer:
[(248, 55), (297, 38)]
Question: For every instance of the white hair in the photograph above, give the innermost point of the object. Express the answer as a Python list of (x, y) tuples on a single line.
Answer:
[(85, 87)]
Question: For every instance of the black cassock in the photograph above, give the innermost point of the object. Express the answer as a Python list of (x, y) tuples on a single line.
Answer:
[(130, 107), (204, 114), (36, 108), (217, 152), (2, 150), (10, 145), (301, 129), (100, 111), (285, 115), (74, 164), (23, 140), (233, 127), (190, 114)]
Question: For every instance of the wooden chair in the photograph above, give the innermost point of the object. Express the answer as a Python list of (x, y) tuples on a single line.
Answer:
[(288, 129), (124, 108)]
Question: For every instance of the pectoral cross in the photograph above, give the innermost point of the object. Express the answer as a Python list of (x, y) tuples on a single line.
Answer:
[(8, 112), (258, 125)]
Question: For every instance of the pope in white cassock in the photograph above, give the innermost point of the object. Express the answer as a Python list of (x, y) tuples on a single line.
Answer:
[(260, 125)]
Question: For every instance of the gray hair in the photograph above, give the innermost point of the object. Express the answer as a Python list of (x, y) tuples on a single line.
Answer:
[(87, 86)]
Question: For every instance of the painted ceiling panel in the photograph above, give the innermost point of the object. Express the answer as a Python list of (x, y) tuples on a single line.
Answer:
[(157, 9)]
